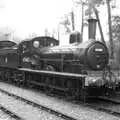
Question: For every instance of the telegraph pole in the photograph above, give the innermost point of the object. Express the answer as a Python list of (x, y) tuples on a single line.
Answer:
[(82, 21), (58, 32), (110, 29), (99, 25), (73, 20)]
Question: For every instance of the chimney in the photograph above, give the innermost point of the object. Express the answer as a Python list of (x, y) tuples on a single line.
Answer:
[(92, 28)]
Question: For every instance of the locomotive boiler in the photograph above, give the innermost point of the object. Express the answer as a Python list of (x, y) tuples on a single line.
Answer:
[(78, 57)]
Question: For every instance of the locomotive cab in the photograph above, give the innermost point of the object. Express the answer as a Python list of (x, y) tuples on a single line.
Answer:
[(28, 50)]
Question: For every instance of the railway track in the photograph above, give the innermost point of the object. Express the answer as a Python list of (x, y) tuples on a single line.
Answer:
[(41, 107), (9, 114), (110, 106), (76, 110), (105, 104)]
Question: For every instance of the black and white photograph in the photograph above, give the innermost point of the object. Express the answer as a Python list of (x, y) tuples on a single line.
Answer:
[(59, 60)]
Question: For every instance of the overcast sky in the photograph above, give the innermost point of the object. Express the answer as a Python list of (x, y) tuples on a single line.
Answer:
[(33, 16)]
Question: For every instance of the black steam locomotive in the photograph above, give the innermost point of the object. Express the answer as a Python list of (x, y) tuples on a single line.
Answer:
[(40, 61), (65, 68)]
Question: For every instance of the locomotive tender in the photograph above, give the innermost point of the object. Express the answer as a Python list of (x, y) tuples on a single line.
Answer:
[(40, 61)]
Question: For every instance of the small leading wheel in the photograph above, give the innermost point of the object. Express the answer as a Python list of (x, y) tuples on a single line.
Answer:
[(75, 93), (48, 88), (83, 95), (71, 90)]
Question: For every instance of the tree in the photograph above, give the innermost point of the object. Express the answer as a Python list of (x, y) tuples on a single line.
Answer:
[(116, 38), (91, 5), (91, 8), (116, 28), (82, 3), (66, 22), (110, 29)]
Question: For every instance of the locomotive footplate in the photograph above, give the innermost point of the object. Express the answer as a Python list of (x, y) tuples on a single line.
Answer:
[(75, 84)]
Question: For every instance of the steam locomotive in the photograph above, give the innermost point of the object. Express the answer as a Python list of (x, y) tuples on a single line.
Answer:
[(40, 61)]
